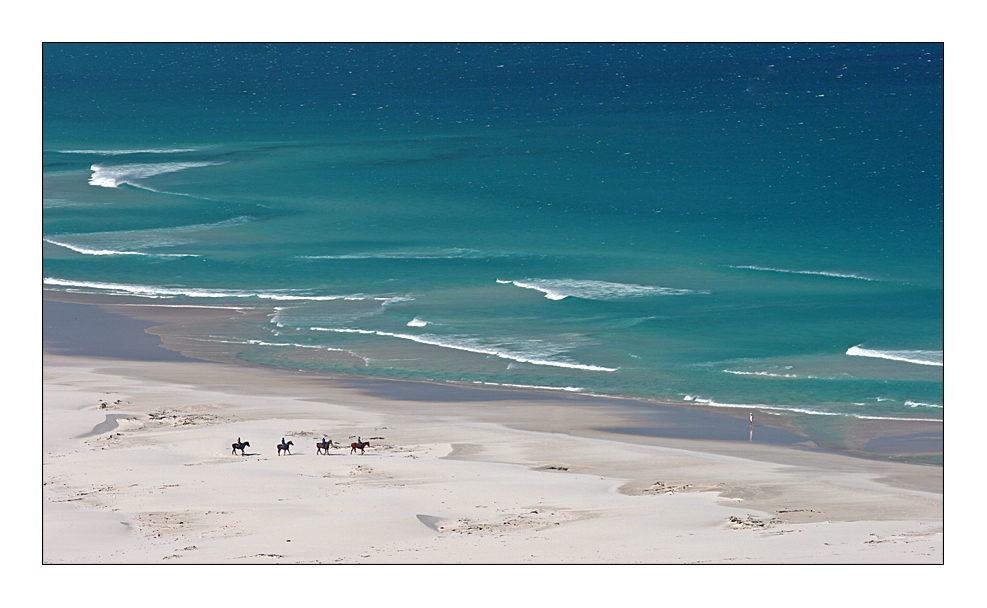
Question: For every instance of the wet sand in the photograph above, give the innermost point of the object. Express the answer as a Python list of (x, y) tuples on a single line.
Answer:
[(454, 474), (89, 331), (111, 331)]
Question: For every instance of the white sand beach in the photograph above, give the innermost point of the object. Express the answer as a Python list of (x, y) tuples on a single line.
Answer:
[(138, 468)]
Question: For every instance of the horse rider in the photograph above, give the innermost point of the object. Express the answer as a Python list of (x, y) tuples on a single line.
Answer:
[(283, 444)]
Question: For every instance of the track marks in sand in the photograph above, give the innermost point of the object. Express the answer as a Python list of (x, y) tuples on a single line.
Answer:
[(262, 555), (734, 494), (183, 528), (637, 488), (90, 496), (532, 519), (170, 418), (165, 417), (128, 425), (752, 521), (179, 555), (906, 538)]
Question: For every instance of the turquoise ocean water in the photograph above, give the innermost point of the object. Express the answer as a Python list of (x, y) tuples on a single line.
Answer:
[(742, 225)]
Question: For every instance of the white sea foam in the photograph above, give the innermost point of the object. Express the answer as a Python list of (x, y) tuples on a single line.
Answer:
[(60, 203), (219, 340), (144, 238), (863, 417), (454, 253), (417, 322), (111, 176), (389, 300), (155, 291), (837, 275), (276, 317), (156, 305), (798, 410), (90, 251), (711, 403), (567, 389), (764, 374), (537, 356), (263, 343), (559, 289), (125, 152), (233, 221), (920, 404), (919, 357)]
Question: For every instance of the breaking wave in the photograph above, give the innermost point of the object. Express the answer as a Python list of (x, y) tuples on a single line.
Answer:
[(112, 176), (559, 289), (476, 345), (799, 410), (155, 291), (90, 251), (919, 357), (567, 389), (837, 275), (137, 242), (125, 152), (445, 254), (762, 374)]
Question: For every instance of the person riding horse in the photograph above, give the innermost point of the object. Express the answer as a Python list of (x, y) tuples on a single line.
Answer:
[(324, 446), (284, 447), (240, 445)]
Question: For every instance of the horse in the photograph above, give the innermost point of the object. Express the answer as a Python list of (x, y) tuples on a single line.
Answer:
[(323, 446), (359, 446), (284, 448), (240, 446)]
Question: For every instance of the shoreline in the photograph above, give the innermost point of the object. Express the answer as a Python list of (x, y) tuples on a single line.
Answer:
[(146, 327), (453, 475), (495, 489)]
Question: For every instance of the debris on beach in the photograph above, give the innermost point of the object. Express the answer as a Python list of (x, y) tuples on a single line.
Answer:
[(753, 522)]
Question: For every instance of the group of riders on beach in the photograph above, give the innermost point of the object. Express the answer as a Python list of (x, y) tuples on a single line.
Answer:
[(322, 447)]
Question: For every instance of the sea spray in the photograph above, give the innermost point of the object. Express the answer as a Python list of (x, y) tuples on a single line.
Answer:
[(918, 357), (112, 176)]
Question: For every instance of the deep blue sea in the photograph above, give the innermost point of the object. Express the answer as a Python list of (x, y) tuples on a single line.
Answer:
[(742, 225)]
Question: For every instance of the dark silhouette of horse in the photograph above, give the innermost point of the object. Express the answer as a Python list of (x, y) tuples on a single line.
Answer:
[(323, 446), (359, 446), (240, 446), (284, 448)]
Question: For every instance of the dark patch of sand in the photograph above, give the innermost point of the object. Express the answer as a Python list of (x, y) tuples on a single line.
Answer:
[(88, 331)]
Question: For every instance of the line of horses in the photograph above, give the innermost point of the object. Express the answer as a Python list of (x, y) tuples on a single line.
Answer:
[(322, 447)]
